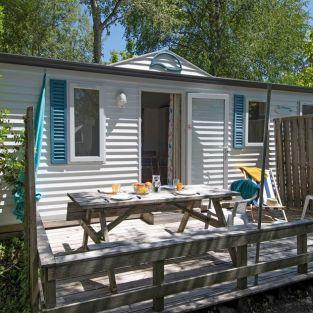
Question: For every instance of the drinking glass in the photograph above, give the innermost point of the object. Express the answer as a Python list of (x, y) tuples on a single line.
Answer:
[(116, 188), (175, 182)]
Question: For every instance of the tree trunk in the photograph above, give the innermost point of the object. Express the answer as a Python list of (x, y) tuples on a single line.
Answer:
[(97, 43), (97, 31)]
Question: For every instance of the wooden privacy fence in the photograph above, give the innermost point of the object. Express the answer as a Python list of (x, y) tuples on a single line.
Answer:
[(294, 158)]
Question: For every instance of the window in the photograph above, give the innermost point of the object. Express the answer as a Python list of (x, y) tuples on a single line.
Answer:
[(307, 109), (86, 126), (256, 117)]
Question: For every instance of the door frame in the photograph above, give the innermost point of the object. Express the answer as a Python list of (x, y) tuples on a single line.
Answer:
[(160, 89), (208, 96)]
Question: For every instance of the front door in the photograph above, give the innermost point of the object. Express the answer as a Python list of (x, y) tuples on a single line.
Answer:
[(207, 139)]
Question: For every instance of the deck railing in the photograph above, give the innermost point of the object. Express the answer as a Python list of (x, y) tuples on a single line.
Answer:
[(127, 254)]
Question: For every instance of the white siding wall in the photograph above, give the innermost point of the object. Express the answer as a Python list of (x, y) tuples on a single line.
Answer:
[(17, 91), (20, 87)]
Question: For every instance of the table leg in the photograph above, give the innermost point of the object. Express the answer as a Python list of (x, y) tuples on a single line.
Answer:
[(105, 236), (104, 228), (185, 218), (207, 224), (85, 237), (223, 223)]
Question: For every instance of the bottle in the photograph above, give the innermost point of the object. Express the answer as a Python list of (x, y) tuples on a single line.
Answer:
[(156, 183)]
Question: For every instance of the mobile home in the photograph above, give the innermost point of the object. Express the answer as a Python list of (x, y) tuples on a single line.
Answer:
[(121, 123)]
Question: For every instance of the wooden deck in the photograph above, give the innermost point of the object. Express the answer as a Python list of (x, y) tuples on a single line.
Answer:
[(79, 289)]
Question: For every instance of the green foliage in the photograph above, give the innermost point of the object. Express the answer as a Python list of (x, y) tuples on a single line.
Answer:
[(54, 29), (123, 55), (1, 20), (13, 276), (11, 156), (304, 77), (247, 39), (114, 56)]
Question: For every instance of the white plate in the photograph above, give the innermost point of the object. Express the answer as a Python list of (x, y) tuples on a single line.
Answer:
[(186, 192), (121, 197), (168, 187)]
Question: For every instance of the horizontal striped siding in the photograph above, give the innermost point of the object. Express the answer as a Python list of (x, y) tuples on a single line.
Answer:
[(252, 156), (121, 165), (55, 181), (19, 89)]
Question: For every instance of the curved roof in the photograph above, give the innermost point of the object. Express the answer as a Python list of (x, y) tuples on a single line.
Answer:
[(147, 61)]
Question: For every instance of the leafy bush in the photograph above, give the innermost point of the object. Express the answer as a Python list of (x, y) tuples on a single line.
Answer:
[(13, 276), (12, 156), (13, 259)]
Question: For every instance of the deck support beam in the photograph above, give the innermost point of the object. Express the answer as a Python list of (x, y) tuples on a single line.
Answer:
[(49, 290), (302, 247), (242, 260), (158, 280)]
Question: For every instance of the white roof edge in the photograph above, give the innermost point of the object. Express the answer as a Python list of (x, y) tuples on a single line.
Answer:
[(159, 51)]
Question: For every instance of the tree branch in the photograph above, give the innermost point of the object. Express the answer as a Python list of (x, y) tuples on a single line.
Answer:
[(107, 20)]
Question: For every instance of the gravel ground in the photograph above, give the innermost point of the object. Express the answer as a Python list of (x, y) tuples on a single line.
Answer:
[(291, 299)]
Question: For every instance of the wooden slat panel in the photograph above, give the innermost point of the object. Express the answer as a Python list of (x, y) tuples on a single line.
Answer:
[(302, 161), (287, 151), (294, 158), (295, 162), (280, 159), (309, 147)]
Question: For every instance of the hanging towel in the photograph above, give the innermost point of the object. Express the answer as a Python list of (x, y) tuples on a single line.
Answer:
[(18, 190), (246, 187), (253, 172)]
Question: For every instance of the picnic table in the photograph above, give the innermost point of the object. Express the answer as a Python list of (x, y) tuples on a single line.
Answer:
[(88, 204)]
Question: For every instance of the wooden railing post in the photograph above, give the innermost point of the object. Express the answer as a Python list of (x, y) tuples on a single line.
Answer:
[(302, 247), (242, 260), (49, 290), (158, 279), (30, 213)]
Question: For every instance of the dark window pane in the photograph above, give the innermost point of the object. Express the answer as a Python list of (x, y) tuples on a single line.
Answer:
[(307, 109), (256, 121), (86, 107)]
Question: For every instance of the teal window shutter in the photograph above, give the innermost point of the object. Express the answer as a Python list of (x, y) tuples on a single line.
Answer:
[(58, 112), (239, 122)]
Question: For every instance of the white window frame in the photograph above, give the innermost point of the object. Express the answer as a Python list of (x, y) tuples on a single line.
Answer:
[(247, 143), (302, 104), (102, 126)]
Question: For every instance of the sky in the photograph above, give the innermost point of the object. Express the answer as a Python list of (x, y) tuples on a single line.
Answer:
[(116, 41)]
